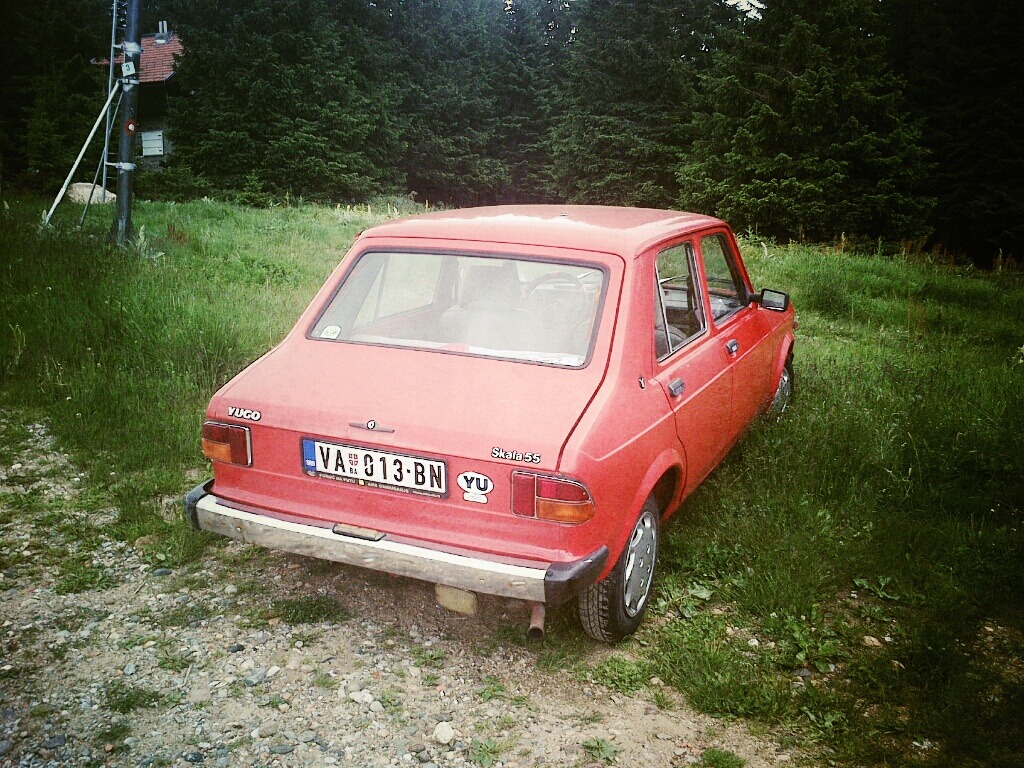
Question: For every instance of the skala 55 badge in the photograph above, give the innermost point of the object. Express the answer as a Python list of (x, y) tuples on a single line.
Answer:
[(475, 486)]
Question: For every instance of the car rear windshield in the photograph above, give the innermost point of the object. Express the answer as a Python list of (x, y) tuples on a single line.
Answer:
[(508, 308)]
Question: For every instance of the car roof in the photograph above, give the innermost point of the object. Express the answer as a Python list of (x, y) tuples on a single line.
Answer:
[(625, 231)]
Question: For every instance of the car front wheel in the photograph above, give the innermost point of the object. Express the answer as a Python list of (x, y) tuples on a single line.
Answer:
[(784, 392), (614, 608)]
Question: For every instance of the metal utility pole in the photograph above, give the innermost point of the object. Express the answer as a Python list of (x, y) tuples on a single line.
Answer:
[(110, 87), (122, 230)]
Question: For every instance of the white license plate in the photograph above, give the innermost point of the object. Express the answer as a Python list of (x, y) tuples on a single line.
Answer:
[(376, 469)]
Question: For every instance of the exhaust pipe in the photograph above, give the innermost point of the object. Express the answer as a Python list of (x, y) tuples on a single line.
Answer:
[(536, 630)]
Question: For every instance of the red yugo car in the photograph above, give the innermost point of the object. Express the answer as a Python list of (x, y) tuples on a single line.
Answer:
[(505, 400)]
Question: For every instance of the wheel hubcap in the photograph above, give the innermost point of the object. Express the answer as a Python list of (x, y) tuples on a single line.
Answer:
[(641, 553)]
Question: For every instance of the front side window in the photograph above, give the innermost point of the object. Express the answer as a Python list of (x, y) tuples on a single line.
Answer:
[(725, 286), (678, 314), (517, 309)]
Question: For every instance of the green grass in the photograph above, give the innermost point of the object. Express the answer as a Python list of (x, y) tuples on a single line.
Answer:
[(309, 609), (887, 503)]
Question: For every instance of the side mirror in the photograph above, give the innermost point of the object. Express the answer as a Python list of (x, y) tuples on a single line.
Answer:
[(777, 301)]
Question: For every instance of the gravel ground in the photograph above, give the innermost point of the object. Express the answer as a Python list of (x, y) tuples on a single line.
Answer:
[(254, 658)]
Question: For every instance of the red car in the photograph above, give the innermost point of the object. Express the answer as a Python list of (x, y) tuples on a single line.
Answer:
[(505, 400)]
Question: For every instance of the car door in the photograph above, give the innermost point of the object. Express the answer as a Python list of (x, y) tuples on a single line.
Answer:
[(691, 366), (740, 329)]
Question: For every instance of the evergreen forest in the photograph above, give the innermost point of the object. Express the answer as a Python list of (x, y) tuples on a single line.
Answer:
[(894, 121)]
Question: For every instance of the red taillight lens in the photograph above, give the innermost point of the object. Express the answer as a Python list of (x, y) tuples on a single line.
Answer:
[(550, 498), (228, 443)]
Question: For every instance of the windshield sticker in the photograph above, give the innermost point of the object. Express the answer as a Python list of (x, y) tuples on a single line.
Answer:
[(528, 458), (331, 332), (475, 486)]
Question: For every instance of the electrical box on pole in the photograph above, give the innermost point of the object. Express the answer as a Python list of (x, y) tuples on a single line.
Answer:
[(122, 230)]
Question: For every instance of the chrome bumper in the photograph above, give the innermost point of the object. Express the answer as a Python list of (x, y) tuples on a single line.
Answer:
[(552, 584)]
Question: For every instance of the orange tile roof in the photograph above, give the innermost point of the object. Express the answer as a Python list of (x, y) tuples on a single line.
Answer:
[(157, 62)]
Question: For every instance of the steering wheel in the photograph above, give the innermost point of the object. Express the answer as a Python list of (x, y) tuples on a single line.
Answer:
[(554, 277)]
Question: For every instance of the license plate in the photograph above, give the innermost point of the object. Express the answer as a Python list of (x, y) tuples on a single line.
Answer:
[(375, 469)]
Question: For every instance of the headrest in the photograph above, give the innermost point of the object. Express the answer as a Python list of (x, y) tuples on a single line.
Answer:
[(497, 286)]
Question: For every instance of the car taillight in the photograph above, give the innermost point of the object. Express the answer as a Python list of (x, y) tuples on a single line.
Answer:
[(550, 498), (228, 443)]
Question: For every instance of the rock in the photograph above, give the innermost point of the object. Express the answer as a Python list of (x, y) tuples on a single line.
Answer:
[(162, 571), (269, 728), (5, 748), (230, 589), (361, 697), (54, 742), (273, 671), (282, 749), (376, 706), (194, 756), (80, 192), (868, 641), (257, 677), (236, 648), (444, 733), (130, 668), (306, 736)]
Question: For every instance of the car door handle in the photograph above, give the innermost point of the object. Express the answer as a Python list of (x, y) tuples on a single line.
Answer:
[(732, 346), (676, 387)]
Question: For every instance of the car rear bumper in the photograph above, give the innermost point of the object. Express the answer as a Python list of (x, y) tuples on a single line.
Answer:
[(550, 584)]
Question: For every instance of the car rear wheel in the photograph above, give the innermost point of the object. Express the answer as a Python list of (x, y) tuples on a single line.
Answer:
[(614, 608)]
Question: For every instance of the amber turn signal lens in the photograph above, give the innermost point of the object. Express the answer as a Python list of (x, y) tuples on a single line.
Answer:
[(228, 443), (565, 511)]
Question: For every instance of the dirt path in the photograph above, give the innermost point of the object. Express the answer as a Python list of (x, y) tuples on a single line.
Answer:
[(250, 658)]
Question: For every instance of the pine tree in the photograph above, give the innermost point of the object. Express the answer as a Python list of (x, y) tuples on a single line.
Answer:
[(802, 131), (280, 97), (963, 65), (625, 98)]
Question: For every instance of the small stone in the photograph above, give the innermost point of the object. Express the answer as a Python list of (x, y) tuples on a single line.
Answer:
[(306, 736), (361, 697), (194, 757), (230, 589), (257, 677), (54, 742), (236, 648), (664, 737), (417, 747), (376, 706), (282, 749), (444, 733), (5, 748), (868, 641), (166, 572), (130, 668), (273, 671), (269, 728)]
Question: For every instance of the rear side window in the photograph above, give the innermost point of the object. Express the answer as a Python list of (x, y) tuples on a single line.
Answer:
[(516, 309), (679, 316)]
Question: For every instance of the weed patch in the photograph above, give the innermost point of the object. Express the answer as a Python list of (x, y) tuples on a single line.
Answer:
[(309, 610)]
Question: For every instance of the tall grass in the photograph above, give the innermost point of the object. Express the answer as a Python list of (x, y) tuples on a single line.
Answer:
[(121, 348), (886, 503)]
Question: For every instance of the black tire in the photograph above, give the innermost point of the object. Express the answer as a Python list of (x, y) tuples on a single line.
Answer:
[(614, 608), (784, 392)]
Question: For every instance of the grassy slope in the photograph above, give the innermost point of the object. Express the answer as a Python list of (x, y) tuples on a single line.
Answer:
[(887, 503)]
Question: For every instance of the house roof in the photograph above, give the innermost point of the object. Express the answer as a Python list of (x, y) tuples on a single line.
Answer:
[(157, 62)]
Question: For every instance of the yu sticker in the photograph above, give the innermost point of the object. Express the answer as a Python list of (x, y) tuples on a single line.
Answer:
[(475, 486)]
